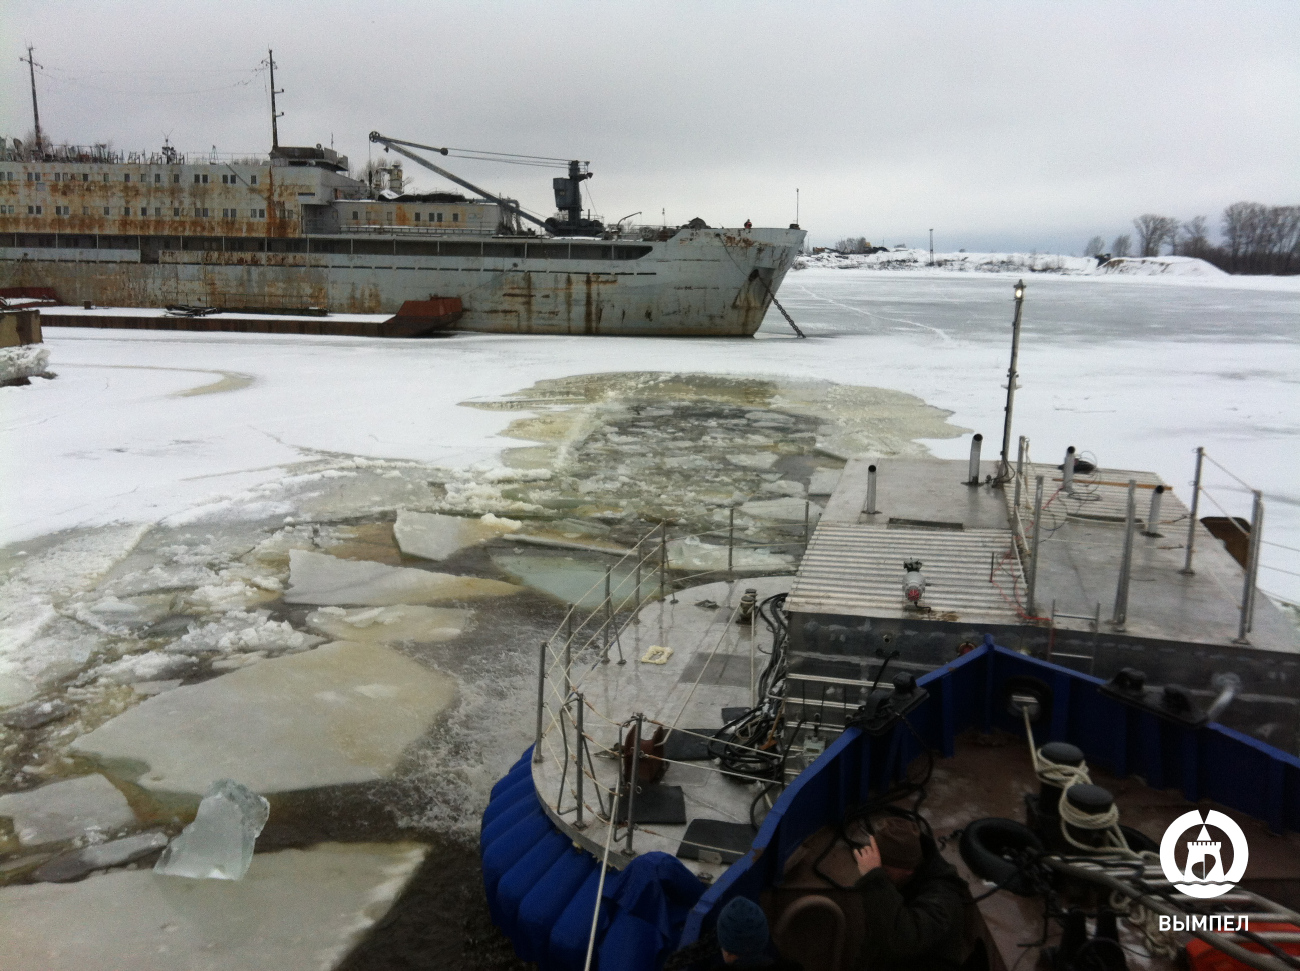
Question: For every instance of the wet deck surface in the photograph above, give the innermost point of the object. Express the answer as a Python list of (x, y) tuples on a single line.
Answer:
[(1081, 546)]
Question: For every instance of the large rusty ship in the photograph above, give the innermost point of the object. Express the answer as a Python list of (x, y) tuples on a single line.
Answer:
[(293, 230)]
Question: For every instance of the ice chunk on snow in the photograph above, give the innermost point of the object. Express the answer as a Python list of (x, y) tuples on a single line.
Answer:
[(24, 361), (436, 537), (389, 625), (218, 845), (317, 578)]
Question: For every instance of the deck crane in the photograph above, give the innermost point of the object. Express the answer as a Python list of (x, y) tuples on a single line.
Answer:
[(568, 191)]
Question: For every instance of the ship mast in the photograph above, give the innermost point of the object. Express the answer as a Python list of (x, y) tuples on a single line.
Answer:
[(36, 111), (275, 130)]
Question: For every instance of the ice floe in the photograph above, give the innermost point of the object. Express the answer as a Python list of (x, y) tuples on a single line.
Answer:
[(339, 714), (433, 536), (391, 625), (88, 806), (317, 578), (295, 909)]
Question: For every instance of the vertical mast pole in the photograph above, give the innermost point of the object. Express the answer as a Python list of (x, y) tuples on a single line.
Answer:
[(1004, 470), (36, 111), (275, 130)]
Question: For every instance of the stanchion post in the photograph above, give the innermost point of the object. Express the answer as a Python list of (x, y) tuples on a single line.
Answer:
[(1120, 615), (1252, 567), (663, 562), (731, 537), (578, 741), (632, 783), (541, 695), (1196, 505), (1033, 552)]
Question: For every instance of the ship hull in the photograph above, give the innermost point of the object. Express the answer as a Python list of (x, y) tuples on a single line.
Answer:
[(700, 282)]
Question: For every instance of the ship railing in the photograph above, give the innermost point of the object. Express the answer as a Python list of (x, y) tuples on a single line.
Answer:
[(1033, 525), (590, 635), (435, 230)]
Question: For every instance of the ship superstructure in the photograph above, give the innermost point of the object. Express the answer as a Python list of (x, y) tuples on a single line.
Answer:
[(292, 229)]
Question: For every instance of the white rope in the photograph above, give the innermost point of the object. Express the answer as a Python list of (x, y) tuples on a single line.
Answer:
[(600, 887), (1064, 776)]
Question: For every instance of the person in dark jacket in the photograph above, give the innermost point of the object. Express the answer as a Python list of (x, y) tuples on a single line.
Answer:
[(744, 940), (915, 902)]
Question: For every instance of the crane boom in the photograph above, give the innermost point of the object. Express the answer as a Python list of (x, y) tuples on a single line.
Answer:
[(402, 148)]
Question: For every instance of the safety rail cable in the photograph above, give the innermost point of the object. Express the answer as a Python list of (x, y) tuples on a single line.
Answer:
[(599, 625)]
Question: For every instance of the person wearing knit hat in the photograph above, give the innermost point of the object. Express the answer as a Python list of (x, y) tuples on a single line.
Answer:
[(743, 938), (914, 901)]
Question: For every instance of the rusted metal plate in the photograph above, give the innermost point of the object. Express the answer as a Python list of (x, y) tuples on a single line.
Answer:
[(417, 317)]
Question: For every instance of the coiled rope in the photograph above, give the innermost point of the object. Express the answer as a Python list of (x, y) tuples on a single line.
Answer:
[(1063, 776)]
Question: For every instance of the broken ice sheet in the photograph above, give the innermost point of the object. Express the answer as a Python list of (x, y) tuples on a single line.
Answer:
[(317, 578), (391, 625), (691, 554), (436, 537), (218, 845)]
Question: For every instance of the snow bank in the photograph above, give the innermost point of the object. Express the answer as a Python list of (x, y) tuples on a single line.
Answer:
[(25, 361), (919, 259), (1160, 266)]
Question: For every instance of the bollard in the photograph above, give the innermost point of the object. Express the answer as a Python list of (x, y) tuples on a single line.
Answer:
[(1067, 472), (1252, 569), (541, 695), (1191, 519), (871, 491), (806, 505), (1120, 615), (577, 755), (973, 476), (1033, 553), (1153, 514), (731, 535)]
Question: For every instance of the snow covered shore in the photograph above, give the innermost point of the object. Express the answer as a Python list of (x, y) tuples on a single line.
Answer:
[(919, 259)]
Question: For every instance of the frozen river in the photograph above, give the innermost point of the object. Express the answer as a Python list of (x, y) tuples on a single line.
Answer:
[(1138, 372)]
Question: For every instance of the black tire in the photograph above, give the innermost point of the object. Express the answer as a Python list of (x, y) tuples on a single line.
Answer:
[(997, 850)]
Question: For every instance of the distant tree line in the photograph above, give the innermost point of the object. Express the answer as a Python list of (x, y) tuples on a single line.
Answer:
[(856, 245), (1255, 239)]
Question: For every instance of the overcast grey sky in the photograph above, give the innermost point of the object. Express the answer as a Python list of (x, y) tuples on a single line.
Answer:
[(1002, 125)]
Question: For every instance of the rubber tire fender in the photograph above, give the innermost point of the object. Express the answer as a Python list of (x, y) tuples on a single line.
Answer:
[(986, 845)]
